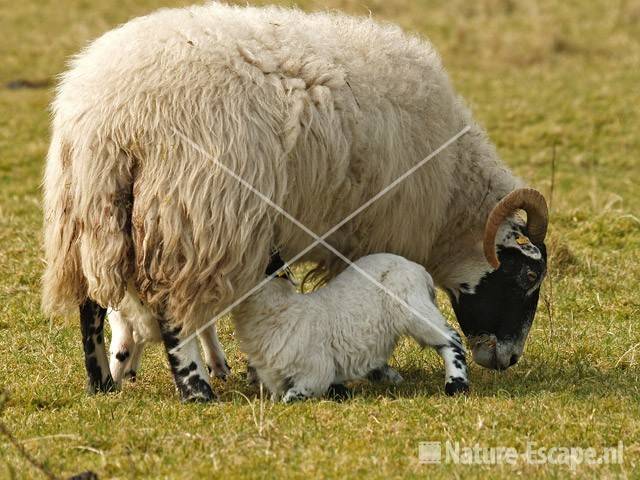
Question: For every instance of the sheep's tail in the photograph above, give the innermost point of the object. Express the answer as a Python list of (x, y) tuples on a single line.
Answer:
[(87, 233)]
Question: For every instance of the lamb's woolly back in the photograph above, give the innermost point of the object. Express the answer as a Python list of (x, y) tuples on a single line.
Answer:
[(318, 111)]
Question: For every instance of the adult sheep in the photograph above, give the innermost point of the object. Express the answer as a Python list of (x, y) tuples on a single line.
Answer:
[(318, 112)]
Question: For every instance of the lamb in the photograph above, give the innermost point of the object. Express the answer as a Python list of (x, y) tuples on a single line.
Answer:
[(319, 112), (304, 345)]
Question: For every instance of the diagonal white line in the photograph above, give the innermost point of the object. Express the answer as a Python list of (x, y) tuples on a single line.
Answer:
[(318, 240)]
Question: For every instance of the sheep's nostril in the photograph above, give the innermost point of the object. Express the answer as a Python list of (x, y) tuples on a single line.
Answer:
[(513, 360)]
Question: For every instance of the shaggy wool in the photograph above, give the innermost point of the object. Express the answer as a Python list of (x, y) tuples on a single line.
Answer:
[(318, 111)]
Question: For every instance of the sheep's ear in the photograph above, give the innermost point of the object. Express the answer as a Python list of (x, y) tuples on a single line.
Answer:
[(513, 234)]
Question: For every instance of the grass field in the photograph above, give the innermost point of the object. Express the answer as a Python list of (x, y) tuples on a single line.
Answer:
[(540, 76)]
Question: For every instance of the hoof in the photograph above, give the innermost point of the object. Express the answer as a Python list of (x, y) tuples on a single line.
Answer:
[(456, 386), (199, 397), (196, 390), (293, 396), (220, 371), (252, 376), (339, 392)]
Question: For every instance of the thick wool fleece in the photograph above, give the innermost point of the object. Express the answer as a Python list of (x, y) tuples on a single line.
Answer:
[(318, 111)]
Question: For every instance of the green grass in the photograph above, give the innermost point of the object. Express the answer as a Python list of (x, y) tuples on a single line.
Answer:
[(537, 74)]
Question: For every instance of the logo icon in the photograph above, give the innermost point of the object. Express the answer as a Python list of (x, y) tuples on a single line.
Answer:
[(429, 452)]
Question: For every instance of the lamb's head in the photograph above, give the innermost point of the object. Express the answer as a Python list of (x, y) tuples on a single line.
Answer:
[(496, 306)]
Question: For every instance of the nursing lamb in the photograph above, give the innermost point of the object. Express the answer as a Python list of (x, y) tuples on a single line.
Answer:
[(304, 345)]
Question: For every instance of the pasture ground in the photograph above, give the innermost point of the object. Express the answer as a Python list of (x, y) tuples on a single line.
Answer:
[(538, 74)]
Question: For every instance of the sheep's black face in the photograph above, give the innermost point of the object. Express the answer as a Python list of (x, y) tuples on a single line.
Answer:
[(496, 313)]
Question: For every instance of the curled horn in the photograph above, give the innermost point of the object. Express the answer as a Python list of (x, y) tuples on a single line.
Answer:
[(527, 199)]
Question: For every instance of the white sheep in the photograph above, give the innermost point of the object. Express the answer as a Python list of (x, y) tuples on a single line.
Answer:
[(318, 112), (301, 345)]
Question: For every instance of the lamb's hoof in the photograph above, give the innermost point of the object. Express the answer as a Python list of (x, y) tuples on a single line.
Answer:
[(339, 392), (293, 396), (456, 385), (221, 371), (252, 376)]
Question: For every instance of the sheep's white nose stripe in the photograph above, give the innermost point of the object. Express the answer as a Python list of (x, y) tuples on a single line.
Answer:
[(318, 240)]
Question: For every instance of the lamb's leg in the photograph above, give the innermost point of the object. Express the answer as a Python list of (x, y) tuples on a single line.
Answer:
[(338, 392), (214, 354), (432, 329), (252, 375), (189, 374), (95, 357), (313, 381), (455, 366), (385, 374), (301, 392)]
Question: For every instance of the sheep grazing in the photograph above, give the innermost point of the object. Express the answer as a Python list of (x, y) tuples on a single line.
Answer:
[(304, 345), (318, 112)]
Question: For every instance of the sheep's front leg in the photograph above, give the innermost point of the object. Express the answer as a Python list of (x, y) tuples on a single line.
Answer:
[(189, 373), (99, 377)]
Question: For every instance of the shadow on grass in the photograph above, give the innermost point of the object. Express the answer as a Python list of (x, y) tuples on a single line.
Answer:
[(576, 380)]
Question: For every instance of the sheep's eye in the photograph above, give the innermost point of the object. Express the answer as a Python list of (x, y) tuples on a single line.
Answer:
[(532, 276)]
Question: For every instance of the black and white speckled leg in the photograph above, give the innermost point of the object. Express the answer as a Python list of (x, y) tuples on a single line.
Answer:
[(99, 377), (455, 366), (431, 328), (189, 373)]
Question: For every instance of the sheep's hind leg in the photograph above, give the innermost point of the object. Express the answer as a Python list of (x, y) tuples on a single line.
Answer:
[(189, 373), (99, 377)]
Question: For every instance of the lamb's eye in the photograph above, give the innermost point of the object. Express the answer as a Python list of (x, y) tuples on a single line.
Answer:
[(532, 276)]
